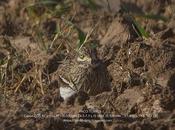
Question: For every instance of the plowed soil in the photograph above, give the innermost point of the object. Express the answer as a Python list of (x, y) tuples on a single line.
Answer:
[(142, 69)]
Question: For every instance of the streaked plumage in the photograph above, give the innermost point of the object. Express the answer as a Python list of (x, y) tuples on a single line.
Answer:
[(89, 75)]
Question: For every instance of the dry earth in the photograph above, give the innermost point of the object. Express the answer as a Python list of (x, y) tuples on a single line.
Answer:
[(142, 70)]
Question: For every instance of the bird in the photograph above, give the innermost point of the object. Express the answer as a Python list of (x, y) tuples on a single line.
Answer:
[(85, 72)]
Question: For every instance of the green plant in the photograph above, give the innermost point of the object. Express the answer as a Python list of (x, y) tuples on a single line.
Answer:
[(136, 24), (39, 11), (40, 40), (153, 16)]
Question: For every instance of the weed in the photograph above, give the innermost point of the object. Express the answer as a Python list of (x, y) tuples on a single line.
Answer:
[(54, 8), (40, 40), (40, 11), (137, 26)]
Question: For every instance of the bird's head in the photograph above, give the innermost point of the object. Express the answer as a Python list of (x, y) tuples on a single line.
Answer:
[(88, 56)]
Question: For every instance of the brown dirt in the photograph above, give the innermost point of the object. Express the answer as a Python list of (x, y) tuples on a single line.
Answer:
[(142, 92)]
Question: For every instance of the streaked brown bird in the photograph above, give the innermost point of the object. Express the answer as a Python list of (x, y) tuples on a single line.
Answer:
[(85, 72)]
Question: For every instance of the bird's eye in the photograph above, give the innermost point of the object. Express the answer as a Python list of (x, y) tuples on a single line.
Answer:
[(81, 56)]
